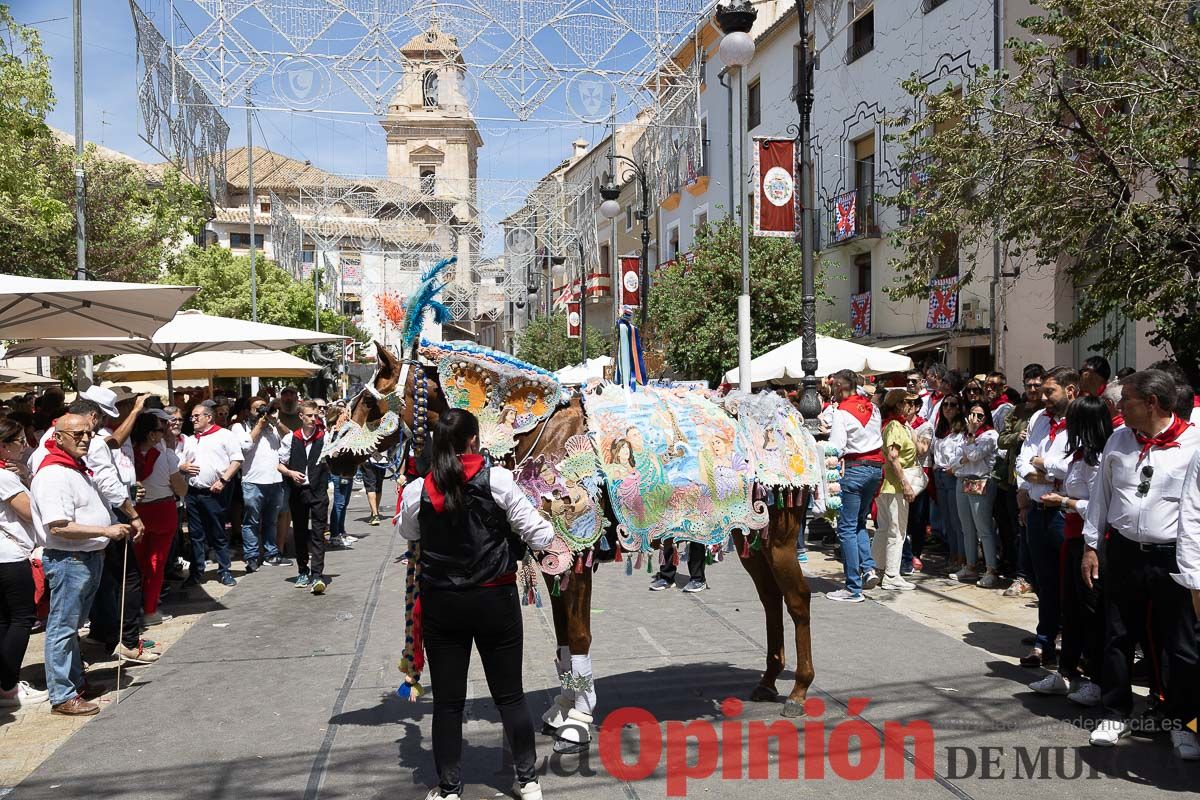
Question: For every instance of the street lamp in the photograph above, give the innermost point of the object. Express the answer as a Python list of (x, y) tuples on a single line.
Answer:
[(737, 49), (610, 208), (582, 303)]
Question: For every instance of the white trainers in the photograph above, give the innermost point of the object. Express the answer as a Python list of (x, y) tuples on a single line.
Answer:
[(23, 695), (1185, 745), (964, 575), (530, 791), (897, 584), (988, 581), (1085, 693), (844, 596), (870, 580), (436, 794), (1109, 732), (1053, 683)]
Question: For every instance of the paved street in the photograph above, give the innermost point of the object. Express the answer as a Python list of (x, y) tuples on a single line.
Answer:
[(278, 694)]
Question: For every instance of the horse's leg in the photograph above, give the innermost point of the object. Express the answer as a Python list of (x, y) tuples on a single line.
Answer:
[(772, 603), (789, 578), (575, 734), (556, 714)]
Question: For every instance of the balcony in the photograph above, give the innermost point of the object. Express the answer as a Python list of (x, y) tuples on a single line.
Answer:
[(860, 47), (853, 215)]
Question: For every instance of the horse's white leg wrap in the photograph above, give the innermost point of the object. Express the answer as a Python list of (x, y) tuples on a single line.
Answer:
[(556, 714), (581, 678)]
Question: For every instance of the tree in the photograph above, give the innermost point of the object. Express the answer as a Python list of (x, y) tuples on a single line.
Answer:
[(545, 343), (1083, 158), (693, 306), (224, 281), (135, 218)]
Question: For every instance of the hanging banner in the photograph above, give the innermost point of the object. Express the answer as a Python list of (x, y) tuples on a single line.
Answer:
[(860, 314), (775, 184), (631, 282), (845, 216), (573, 320), (943, 304)]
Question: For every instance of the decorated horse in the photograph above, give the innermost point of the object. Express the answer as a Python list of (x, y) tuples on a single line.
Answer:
[(617, 471)]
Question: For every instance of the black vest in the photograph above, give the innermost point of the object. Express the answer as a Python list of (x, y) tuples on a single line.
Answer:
[(311, 464), (474, 546)]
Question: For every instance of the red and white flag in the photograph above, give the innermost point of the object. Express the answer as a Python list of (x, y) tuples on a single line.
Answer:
[(775, 186), (631, 282), (573, 320)]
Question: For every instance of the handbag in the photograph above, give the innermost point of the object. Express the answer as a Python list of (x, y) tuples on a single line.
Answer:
[(916, 478), (975, 486)]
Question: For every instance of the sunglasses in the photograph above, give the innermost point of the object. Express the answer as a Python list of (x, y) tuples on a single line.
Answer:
[(974, 415), (1144, 487), (951, 405), (79, 436)]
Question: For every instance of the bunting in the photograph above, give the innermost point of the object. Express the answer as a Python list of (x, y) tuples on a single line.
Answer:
[(943, 304)]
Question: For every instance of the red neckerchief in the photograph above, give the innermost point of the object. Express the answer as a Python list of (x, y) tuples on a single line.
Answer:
[(935, 398), (317, 434), (918, 421), (895, 418), (143, 463), (1165, 440), (984, 427), (999, 401), (56, 455), (1056, 426), (1118, 421), (211, 430), (1101, 390), (858, 407), (472, 464), (1196, 401)]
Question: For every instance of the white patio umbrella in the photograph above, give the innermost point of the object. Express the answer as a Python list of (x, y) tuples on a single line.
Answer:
[(20, 379), (782, 365), (578, 374), (189, 332), (208, 364), (31, 307)]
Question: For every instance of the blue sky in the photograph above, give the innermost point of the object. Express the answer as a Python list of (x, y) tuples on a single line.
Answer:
[(344, 143)]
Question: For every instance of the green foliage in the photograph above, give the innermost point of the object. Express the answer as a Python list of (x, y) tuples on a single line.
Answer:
[(1083, 158), (545, 343), (135, 220), (224, 281), (693, 307)]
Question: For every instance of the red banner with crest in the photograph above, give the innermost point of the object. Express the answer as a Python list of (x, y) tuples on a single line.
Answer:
[(573, 319), (775, 186), (631, 282)]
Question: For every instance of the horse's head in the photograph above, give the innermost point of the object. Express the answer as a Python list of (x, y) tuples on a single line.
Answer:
[(381, 412)]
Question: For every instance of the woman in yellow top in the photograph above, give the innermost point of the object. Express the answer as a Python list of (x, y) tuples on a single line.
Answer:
[(900, 474)]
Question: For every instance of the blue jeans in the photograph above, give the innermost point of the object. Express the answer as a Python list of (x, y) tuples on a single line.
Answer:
[(342, 489), (975, 514), (260, 510), (207, 513), (1044, 529), (860, 484), (73, 579), (947, 504)]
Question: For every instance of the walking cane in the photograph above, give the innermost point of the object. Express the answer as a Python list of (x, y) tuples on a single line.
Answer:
[(121, 617)]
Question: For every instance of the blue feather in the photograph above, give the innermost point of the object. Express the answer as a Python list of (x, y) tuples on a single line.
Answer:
[(425, 297)]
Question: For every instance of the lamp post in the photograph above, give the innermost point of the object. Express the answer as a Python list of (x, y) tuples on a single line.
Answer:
[(737, 49), (610, 208), (582, 304)]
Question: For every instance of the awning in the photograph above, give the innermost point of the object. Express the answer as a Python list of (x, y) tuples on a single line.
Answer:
[(906, 344)]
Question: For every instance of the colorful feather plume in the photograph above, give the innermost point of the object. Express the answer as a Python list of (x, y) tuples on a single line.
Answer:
[(425, 297)]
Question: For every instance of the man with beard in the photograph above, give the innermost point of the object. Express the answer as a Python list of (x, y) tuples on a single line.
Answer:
[(289, 408)]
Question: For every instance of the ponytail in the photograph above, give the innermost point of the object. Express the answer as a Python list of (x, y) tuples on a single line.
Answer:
[(451, 433)]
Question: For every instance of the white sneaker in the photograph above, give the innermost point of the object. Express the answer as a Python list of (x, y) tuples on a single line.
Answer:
[(24, 695), (965, 574), (1053, 683), (844, 596), (897, 584), (1109, 732), (436, 794), (1085, 693), (1185, 745), (988, 581), (870, 580), (530, 791)]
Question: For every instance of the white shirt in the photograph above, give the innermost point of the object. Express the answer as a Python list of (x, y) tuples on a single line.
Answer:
[(1154, 518), (62, 493), (17, 539), (1053, 453), (525, 520), (980, 455), (1187, 545), (102, 461), (925, 431), (260, 459), (158, 483), (851, 437), (212, 453), (1000, 415), (1078, 485), (947, 451)]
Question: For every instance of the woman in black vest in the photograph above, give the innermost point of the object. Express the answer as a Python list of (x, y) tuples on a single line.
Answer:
[(473, 523)]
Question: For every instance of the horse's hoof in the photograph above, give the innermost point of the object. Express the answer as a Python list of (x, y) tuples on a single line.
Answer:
[(548, 729), (792, 708), (564, 748), (763, 694)]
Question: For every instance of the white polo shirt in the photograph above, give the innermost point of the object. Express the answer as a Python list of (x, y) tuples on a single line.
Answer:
[(848, 434), (1115, 502), (17, 539), (260, 459), (62, 493), (1053, 452), (212, 453)]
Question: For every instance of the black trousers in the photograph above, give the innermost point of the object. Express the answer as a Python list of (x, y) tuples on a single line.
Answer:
[(1004, 512), (17, 614), (1082, 618), (918, 522), (491, 618), (120, 567), (1142, 602), (696, 561), (310, 520)]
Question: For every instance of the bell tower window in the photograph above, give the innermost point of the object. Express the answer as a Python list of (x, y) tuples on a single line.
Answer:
[(429, 89)]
